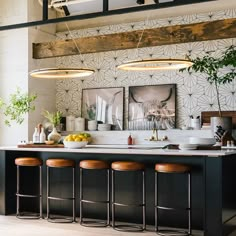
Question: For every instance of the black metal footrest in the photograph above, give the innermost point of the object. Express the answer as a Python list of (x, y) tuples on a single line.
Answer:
[(128, 227)]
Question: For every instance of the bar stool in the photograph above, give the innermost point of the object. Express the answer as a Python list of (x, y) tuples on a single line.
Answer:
[(94, 165), (128, 166), (28, 162), (60, 163), (170, 169)]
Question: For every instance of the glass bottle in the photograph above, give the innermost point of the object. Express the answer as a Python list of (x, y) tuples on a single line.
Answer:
[(130, 140)]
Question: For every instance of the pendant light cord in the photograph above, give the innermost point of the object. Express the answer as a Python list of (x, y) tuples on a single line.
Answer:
[(76, 45)]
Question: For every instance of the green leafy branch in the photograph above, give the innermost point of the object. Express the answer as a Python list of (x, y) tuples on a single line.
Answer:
[(213, 68), (53, 117), (19, 104)]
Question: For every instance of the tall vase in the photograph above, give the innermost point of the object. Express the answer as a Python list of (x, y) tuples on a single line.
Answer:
[(54, 135), (219, 125)]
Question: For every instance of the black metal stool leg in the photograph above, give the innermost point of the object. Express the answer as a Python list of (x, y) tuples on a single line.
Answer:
[(73, 196), (108, 197), (40, 192), (113, 197), (156, 201), (48, 182), (144, 200), (189, 205), (81, 196), (18, 191)]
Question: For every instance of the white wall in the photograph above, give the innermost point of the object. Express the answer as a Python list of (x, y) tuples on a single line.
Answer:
[(14, 65)]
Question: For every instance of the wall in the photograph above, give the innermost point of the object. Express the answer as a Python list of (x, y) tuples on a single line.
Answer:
[(16, 62), (14, 65), (194, 93)]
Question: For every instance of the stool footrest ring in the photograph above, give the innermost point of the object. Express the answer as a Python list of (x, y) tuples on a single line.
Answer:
[(90, 201), (61, 198), (169, 232), (128, 227), (28, 215), (60, 220), (130, 205), (173, 208), (27, 195), (94, 223)]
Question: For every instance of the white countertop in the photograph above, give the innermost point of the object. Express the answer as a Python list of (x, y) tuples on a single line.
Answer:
[(137, 150)]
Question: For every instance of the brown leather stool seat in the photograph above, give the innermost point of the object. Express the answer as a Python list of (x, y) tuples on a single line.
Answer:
[(101, 166), (172, 168), (28, 162), (60, 163), (94, 164), (128, 166)]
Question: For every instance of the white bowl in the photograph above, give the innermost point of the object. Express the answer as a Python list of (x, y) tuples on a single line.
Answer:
[(187, 146), (104, 127), (202, 141), (74, 144)]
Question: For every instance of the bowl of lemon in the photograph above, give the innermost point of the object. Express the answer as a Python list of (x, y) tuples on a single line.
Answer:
[(77, 140)]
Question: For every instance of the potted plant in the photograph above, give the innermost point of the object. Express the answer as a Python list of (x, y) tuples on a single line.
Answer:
[(19, 104), (54, 118), (214, 69)]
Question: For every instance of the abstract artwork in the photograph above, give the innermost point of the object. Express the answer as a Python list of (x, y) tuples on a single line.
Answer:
[(152, 106), (104, 105)]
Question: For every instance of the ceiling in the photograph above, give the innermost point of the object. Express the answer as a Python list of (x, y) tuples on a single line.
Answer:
[(91, 6)]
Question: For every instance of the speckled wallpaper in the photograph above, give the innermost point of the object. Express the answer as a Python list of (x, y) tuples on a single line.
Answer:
[(194, 93)]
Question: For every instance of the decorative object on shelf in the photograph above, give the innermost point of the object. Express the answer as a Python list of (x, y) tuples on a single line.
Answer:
[(156, 64), (19, 104), (195, 123), (152, 106), (54, 118), (70, 123), (54, 136), (215, 69), (63, 73), (92, 125), (105, 105), (79, 124)]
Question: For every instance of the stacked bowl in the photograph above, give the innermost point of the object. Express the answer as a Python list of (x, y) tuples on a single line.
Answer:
[(104, 127)]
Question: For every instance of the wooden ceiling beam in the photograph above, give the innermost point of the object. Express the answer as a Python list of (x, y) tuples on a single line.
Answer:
[(212, 30)]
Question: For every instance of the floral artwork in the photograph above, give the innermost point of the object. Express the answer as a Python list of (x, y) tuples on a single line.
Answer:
[(152, 106), (104, 105)]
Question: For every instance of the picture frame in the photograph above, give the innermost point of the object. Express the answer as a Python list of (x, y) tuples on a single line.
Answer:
[(105, 105), (152, 106)]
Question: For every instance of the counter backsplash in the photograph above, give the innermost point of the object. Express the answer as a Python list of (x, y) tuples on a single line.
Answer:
[(140, 136)]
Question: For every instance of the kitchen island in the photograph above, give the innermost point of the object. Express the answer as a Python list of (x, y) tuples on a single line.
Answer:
[(213, 183)]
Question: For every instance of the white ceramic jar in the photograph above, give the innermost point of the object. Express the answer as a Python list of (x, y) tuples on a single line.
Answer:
[(92, 125), (79, 124), (70, 123)]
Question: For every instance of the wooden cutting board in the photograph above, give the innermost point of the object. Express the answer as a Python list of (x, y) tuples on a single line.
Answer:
[(40, 146)]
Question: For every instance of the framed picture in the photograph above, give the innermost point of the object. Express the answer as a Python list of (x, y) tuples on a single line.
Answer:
[(106, 105), (152, 106)]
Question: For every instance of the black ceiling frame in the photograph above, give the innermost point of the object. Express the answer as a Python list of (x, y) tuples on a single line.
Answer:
[(105, 12)]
